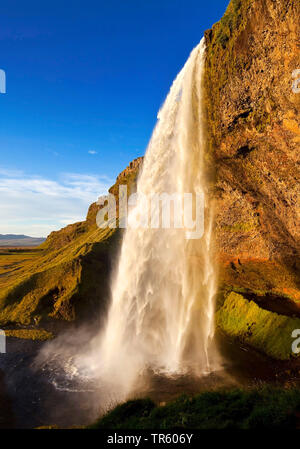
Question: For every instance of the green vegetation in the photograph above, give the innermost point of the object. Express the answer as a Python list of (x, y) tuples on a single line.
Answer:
[(266, 331), (29, 334), (67, 276), (267, 408), (50, 285), (229, 22), (223, 62), (242, 227)]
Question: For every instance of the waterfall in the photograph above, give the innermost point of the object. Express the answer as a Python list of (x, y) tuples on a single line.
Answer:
[(161, 316)]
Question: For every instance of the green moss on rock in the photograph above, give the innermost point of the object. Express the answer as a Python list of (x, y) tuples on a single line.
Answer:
[(29, 334), (266, 331)]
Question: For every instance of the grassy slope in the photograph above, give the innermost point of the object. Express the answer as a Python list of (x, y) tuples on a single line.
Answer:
[(46, 284), (65, 278), (265, 408), (29, 334)]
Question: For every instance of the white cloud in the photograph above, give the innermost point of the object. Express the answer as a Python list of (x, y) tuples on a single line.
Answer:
[(92, 152), (36, 206), (10, 173)]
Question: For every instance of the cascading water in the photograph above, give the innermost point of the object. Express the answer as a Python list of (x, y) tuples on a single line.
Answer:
[(161, 317), (162, 311)]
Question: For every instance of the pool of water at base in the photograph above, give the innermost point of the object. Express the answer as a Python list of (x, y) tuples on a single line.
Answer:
[(30, 398)]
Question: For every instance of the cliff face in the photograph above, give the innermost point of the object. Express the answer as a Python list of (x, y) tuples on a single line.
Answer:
[(253, 138)]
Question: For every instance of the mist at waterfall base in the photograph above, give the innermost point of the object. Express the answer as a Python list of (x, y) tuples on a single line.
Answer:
[(161, 315)]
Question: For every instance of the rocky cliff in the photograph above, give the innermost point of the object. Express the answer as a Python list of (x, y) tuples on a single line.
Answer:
[(253, 136), (253, 139)]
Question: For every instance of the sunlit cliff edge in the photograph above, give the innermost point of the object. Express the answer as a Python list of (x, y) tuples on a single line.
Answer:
[(253, 138)]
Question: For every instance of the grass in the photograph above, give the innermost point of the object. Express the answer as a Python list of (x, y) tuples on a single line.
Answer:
[(42, 284), (12, 260), (266, 331), (65, 278), (264, 408), (29, 334)]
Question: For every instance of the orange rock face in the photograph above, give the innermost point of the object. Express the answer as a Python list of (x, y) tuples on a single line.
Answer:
[(253, 131)]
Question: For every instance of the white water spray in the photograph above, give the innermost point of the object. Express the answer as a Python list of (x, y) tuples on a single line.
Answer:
[(161, 317), (162, 311)]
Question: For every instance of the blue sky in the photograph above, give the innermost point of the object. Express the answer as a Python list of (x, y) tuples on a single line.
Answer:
[(85, 80)]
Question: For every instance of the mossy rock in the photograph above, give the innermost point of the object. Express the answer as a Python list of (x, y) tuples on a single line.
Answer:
[(29, 334), (266, 331)]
